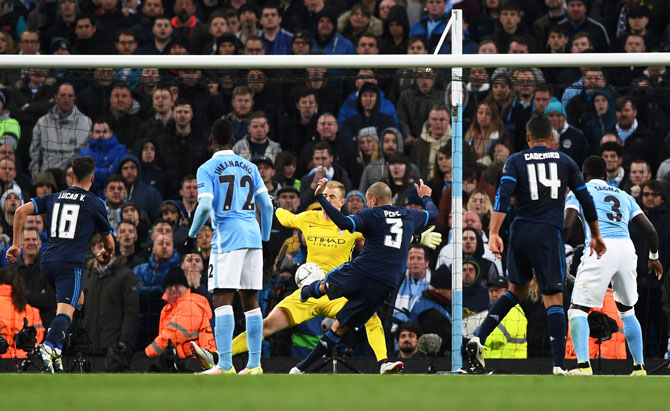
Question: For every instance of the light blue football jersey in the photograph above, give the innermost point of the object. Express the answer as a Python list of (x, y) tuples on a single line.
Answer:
[(233, 183), (615, 209)]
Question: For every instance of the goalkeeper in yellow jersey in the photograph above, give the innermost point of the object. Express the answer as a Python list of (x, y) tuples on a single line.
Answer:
[(329, 247)]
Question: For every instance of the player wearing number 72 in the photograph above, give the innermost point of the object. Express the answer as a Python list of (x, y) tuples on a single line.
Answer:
[(73, 215)]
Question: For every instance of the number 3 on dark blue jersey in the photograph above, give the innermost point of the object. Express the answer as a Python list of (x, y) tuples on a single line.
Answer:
[(394, 240)]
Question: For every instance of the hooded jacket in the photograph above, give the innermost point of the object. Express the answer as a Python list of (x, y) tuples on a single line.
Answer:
[(107, 154), (397, 14), (359, 120), (336, 43), (152, 174), (378, 170), (58, 140), (146, 197), (598, 125)]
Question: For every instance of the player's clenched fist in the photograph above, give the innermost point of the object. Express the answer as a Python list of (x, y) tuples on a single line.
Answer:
[(13, 253)]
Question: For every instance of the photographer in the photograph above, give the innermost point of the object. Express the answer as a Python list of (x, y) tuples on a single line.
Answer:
[(13, 310)]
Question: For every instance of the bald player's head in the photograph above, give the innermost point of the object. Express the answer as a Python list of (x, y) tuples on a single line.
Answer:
[(378, 194)]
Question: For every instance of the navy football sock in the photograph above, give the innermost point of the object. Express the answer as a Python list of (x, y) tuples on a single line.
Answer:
[(557, 333), (496, 313), (325, 345), (57, 330), (311, 290)]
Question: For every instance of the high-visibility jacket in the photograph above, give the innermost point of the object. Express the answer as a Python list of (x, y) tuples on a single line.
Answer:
[(509, 339), (182, 322), (612, 349), (11, 322)]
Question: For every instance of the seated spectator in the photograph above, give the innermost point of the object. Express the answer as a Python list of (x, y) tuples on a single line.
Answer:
[(367, 142), (501, 90), (147, 198), (38, 292), (577, 20), (8, 178), (356, 22), (44, 183), (112, 301), (396, 30), (243, 105), (123, 118), (571, 140), (407, 337), (415, 103), (475, 294), (354, 202), (415, 282), (14, 309), (436, 132), (127, 238), (204, 243), (9, 202), (196, 275), (151, 276), (130, 212), (277, 41), (152, 174), (285, 167), (351, 106), (105, 150), (441, 178), (171, 212), (256, 143), (399, 178), (436, 17), (115, 195), (603, 120), (378, 170), (188, 192), (486, 129), (432, 310), (639, 141), (323, 166), (639, 174), (185, 320), (368, 112), (480, 203), (327, 38), (613, 155)]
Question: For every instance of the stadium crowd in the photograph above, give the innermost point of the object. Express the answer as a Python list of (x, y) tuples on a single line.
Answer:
[(148, 131)]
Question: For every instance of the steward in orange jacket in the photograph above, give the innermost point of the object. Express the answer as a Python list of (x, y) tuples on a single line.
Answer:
[(185, 318), (13, 309)]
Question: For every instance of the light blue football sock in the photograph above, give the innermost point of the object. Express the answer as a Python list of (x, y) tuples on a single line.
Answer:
[(579, 331), (254, 320), (224, 325), (633, 333)]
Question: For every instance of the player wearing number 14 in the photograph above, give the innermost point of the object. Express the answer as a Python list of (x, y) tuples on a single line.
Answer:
[(539, 178), (73, 215)]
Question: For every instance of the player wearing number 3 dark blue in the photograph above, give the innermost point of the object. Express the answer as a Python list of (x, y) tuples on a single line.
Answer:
[(73, 216), (369, 279), (539, 178), (228, 188)]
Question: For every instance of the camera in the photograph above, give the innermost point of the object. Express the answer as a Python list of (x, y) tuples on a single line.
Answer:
[(4, 345), (26, 338)]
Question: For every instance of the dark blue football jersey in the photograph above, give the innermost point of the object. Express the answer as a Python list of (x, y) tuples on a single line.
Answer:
[(388, 231), (539, 178), (73, 215)]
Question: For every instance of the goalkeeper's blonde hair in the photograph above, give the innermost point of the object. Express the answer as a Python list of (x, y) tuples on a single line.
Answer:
[(336, 185)]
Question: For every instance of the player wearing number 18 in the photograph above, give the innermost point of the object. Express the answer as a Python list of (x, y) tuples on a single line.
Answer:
[(539, 178), (73, 215)]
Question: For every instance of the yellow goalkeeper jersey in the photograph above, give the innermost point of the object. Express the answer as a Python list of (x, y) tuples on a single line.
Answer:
[(327, 245)]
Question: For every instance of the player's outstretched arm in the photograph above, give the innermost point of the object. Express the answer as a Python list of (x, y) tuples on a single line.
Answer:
[(652, 239), (19, 220), (108, 248), (338, 218), (200, 216), (424, 192), (285, 217), (267, 210)]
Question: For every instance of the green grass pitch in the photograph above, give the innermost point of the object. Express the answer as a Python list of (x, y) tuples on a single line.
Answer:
[(101, 392)]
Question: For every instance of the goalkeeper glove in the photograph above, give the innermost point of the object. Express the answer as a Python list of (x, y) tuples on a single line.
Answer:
[(428, 238)]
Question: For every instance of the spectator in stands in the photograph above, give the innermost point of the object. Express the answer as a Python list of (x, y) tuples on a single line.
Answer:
[(277, 41), (323, 166), (640, 173), (571, 140), (517, 114), (417, 278), (485, 130), (257, 143), (367, 142), (299, 127), (9, 202), (126, 235), (400, 178), (181, 150), (358, 21), (204, 243), (327, 130), (416, 102), (441, 178), (108, 20), (196, 275), (577, 20), (639, 142), (436, 132), (44, 183), (327, 38), (112, 301), (8, 179), (432, 311), (162, 104), (378, 170), (509, 27), (115, 195), (106, 150), (188, 192), (243, 105), (186, 314), (217, 26), (147, 198), (123, 120), (151, 173), (407, 337), (302, 43), (95, 99), (354, 202), (368, 112), (266, 169), (14, 310), (86, 39), (404, 77), (248, 17), (186, 25), (162, 34), (266, 95), (475, 293), (613, 154), (396, 30), (151, 276), (60, 134), (436, 17), (603, 120), (285, 170), (38, 292), (349, 107), (542, 26)]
